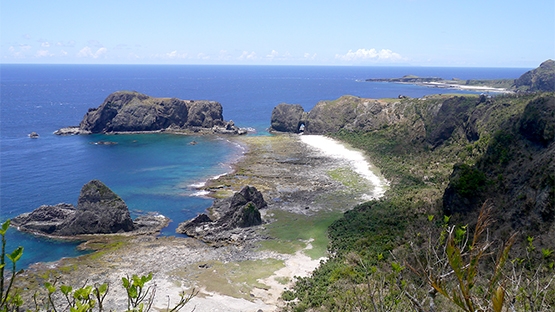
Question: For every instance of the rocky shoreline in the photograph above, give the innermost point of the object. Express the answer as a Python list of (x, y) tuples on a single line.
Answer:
[(291, 176)]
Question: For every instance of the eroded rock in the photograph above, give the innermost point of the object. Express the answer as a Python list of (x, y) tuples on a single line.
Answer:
[(232, 219), (99, 211)]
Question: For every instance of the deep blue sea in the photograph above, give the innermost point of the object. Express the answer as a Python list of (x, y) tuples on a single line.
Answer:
[(154, 172)]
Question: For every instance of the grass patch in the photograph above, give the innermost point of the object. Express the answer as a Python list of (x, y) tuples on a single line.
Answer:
[(349, 178), (292, 231)]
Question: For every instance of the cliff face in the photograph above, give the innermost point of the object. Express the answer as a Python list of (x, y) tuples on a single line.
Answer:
[(516, 172), (433, 120), (132, 111)]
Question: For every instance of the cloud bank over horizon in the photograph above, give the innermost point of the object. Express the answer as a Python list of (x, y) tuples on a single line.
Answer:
[(288, 32)]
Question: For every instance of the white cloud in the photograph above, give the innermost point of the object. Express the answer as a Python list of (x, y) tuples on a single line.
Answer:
[(247, 56), (202, 56), (224, 55), (42, 53), (273, 54), (70, 43), (87, 52), (45, 44), (309, 56), (384, 55), (176, 55)]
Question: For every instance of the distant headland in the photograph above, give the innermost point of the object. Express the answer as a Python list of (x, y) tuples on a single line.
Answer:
[(539, 79)]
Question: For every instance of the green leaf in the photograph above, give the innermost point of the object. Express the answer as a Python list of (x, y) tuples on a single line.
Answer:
[(51, 288), (102, 289), (125, 282), (5, 227), (132, 292), (396, 267), (455, 259), (16, 254), (66, 289)]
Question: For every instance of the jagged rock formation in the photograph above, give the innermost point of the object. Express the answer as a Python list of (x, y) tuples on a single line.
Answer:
[(99, 211), (442, 115), (127, 111), (287, 118), (539, 79), (231, 219)]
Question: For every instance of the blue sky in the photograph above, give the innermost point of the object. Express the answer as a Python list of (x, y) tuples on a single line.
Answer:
[(485, 33)]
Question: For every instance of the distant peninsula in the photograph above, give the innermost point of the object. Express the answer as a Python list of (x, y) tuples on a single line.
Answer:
[(539, 79)]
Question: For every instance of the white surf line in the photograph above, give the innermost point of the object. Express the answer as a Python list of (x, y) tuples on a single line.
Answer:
[(357, 160)]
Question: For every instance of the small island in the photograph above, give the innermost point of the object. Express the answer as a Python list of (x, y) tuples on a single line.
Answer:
[(134, 112)]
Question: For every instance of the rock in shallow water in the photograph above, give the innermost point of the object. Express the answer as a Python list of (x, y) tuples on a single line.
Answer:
[(99, 211), (233, 216)]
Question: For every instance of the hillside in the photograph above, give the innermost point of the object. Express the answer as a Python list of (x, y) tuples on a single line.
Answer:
[(445, 156), (539, 79)]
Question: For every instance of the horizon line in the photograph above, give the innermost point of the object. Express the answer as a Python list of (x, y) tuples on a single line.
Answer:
[(267, 65)]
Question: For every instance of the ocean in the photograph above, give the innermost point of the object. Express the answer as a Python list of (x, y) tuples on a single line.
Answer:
[(155, 172)]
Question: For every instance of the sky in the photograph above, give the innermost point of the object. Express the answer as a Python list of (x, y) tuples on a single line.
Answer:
[(470, 33)]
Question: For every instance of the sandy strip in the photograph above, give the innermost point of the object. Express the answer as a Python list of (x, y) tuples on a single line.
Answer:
[(356, 159)]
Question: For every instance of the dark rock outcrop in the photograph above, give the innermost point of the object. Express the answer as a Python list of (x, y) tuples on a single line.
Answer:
[(132, 111), (347, 112), (45, 219), (99, 211), (232, 218), (287, 118), (538, 121), (452, 115), (127, 111)]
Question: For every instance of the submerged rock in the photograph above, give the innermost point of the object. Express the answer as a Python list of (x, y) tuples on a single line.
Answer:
[(99, 211)]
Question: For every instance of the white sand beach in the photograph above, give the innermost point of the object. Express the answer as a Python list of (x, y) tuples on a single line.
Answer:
[(355, 158)]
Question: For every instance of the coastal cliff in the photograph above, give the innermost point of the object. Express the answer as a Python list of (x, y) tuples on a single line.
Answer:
[(130, 111), (505, 142), (457, 165)]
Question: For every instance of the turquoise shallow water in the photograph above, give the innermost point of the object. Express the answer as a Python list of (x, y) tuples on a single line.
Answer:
[(154, 172)]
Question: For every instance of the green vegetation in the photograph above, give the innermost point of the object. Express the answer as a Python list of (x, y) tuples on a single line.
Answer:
[(401, 253)]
